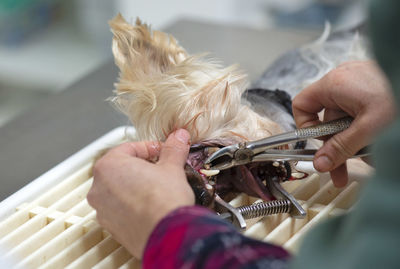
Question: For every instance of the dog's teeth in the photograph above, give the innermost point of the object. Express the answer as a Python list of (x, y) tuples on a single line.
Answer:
[(297, 175), (209, 173)]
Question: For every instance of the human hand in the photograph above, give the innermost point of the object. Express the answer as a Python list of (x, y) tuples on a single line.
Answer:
[(358, 89), (131, 194)]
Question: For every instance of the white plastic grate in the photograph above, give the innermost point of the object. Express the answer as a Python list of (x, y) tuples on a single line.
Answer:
[(56, 228)]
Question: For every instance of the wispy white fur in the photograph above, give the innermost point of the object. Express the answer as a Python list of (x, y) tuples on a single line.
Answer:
[(161, 88), (326, 56)]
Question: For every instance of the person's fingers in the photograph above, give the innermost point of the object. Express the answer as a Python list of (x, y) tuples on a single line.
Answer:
[(306, 106), (144, 149), (334, 114), (340, 176), (323, 95), (176, 148), (337, 149)]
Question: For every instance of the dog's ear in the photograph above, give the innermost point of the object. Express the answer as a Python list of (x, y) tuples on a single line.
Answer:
[(133, 46)]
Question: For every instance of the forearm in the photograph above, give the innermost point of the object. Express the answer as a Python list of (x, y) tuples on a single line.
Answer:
[(194, 237)]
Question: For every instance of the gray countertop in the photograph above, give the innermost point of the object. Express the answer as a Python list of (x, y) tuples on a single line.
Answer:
[(64, 123)]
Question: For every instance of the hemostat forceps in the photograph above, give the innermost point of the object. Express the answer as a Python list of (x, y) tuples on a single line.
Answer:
[(263, 149)]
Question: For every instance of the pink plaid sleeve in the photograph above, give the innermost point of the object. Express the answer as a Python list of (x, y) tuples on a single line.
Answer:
[(194, 237)]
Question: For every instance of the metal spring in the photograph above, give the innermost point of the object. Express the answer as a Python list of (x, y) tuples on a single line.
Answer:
[(264, 208)]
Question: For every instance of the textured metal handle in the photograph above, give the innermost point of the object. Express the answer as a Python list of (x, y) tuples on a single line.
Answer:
[(298, 155), (328, 128)]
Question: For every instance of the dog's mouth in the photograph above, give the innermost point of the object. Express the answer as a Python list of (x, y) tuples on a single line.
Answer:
[(250, 178)]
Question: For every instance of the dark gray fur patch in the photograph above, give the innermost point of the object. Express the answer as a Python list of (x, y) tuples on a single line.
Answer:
[(276, 105), (287, 73)]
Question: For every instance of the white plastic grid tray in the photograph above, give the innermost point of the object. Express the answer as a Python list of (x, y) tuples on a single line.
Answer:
[(49, 224)]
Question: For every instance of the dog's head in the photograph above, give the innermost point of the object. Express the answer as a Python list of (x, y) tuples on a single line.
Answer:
[(162, 88)]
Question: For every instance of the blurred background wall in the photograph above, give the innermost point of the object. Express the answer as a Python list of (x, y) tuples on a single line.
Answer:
[(45, 45)]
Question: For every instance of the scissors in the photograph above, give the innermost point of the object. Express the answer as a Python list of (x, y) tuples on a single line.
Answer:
[(265, 149)]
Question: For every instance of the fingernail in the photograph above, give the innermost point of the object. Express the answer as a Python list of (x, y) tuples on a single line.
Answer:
[(156, 146), (182, 135), (323, 163)]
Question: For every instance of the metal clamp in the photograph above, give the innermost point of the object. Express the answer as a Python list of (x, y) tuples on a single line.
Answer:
[(285, 203)]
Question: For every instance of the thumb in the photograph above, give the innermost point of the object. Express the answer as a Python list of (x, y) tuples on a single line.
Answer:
[(176, 149)]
